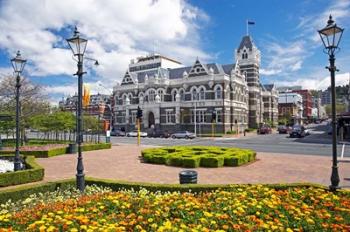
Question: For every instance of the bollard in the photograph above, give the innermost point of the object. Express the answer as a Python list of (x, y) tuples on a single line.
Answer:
[(188, 177)]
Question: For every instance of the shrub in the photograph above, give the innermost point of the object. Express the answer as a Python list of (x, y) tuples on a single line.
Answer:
[(195, 156), (212, 162), (192, 162), (34, 172)]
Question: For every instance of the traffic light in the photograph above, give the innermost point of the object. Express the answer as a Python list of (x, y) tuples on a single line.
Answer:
[(213, 116), (139, 113)]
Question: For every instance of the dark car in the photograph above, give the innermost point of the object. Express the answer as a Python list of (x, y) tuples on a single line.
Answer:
[(117, 133), (264, 129), (183, 135), (158, 134), (283, 129), (297, 131)]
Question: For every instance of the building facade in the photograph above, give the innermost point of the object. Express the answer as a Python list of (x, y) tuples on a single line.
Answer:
[(175, 98), (290, 107), (307, 102), (99, 106)]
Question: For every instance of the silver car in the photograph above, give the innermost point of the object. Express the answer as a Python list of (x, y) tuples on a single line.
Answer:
[(134, 134), (183, 135)]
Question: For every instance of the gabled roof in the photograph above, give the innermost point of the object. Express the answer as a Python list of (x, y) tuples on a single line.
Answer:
[(198, 69), (228, 68), (127, 80), (247, 42)]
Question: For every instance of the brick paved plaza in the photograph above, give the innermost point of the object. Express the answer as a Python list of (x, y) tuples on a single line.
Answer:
[(123, 162)]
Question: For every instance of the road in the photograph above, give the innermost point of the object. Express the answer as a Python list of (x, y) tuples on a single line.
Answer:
[(317, 143)]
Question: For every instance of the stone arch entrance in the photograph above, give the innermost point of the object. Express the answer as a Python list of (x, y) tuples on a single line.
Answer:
[(151, 120)]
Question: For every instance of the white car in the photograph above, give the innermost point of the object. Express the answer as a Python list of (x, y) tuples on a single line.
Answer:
[(134, 134)]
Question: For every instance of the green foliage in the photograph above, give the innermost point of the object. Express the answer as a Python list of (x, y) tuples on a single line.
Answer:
[(195, 156), (340, 108), (231, 132), (34, 172), (212, 162), (250, 129), (61, 150), (23, 192)]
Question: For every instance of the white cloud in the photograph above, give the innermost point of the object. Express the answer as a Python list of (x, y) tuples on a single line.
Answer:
[(283, 57), (317, 83), (117, 30)]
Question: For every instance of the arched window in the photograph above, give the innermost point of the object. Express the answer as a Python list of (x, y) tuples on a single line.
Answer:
[(194, 94), (182, 95), (124, 99), (202, 93), (161, 94), (218, 92), (173, 95), (151, 95)]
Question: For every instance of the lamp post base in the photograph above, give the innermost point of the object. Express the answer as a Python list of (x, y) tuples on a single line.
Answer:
[(81, 182), (334, 179)]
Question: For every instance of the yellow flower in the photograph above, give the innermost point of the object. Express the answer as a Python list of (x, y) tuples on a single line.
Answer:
[(150, 220), (207, 214), (289, 230), (310, 221)]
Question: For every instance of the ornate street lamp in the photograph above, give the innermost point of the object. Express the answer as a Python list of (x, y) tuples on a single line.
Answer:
[(18, 64), (331, 36), (78, 46)]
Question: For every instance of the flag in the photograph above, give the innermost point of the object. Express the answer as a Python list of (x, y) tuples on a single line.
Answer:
[(251, 23), (86, 96)]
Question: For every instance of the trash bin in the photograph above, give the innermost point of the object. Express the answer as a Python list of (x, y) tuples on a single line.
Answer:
[(72, 148), (188, 177)]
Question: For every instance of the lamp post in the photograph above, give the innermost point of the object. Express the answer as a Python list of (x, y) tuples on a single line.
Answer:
[(18, 64), (78, 46), (331, 36)]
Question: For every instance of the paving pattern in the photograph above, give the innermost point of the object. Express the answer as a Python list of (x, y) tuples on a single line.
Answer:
[(123, 162)]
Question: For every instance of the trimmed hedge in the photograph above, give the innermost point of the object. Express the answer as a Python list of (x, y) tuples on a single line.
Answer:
[(198, 156), (61, 150), (34, 172), (25, 191)]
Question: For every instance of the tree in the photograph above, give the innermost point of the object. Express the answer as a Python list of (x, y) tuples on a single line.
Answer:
[(32, 100), (339, 108)]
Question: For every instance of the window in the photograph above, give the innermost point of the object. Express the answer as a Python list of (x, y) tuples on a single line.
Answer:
[(194, 94), (199, 114), (151, 95), (124, 99), (174, 95), (218, 92), (182, 95), (161, 94), (169, 117), (133, 117), (202, 94), (218, 116)]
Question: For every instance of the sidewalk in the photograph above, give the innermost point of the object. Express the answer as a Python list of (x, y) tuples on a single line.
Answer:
[(123, 163)]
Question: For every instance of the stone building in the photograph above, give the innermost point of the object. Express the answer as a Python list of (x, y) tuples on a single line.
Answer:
[(174, 97)]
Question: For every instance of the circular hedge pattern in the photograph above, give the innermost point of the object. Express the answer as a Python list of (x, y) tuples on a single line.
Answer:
[(198, 156)]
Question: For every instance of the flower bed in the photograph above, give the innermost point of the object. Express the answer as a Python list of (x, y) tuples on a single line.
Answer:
[(245, 208), (198, 156)]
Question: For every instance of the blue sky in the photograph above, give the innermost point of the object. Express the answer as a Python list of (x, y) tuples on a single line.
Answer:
[(284, 31)]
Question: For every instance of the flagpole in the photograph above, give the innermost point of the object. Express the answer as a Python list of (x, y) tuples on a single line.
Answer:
[(247, 27)]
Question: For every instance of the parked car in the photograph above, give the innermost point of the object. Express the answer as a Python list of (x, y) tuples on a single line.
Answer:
[(297, 131), (264, 129), (134, 134), (183, 135), (283, 129), (117, 133), (158, 134)]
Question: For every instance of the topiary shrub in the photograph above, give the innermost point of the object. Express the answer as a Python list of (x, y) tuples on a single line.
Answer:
[(212, 162), (198, 156), (192, 162)]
